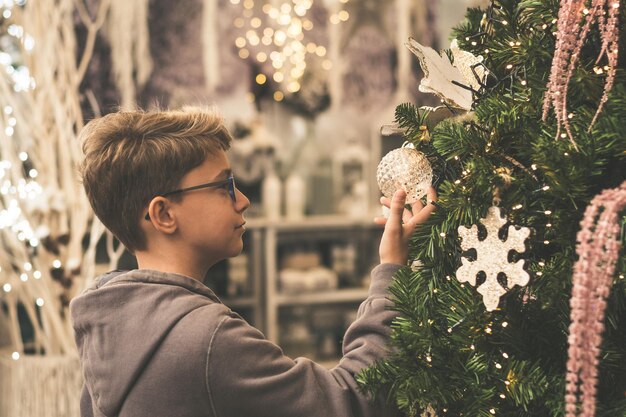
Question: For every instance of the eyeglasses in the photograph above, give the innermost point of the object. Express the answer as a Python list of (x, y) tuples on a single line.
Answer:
[(229, 182)]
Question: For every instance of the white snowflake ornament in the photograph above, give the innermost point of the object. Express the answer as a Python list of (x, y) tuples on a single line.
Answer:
[(492, 256)]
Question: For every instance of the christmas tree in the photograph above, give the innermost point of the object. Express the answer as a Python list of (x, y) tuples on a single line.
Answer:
[(456, 353)]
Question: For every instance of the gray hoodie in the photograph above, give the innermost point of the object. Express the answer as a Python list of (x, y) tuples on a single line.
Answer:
[(161, 344)]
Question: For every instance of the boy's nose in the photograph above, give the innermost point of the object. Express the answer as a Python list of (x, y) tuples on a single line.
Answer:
[(242, 203)]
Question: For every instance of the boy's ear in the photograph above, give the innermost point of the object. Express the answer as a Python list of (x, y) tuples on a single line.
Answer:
[(162, 216)]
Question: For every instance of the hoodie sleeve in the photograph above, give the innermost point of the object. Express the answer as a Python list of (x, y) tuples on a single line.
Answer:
[(248, 375)]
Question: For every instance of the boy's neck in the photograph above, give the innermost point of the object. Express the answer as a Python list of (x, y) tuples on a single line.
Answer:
[(172, 264)]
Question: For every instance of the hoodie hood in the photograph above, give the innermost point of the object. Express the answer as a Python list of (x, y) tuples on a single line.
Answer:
[(116, 331)]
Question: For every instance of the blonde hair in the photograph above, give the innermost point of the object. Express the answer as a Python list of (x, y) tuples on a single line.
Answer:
[(132, 156)]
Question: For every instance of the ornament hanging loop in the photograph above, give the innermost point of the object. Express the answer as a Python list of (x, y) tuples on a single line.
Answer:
[(496, 200)]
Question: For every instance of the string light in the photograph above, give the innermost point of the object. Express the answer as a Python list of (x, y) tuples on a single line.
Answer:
[(504, 324), (40, 302), (56, 263), (7, 287), (15, 356), (282, 40)]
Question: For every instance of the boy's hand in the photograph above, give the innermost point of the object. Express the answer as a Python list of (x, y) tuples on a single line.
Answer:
[(394, 245)]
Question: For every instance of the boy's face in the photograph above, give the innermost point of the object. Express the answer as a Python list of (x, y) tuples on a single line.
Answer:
[(210, 223)]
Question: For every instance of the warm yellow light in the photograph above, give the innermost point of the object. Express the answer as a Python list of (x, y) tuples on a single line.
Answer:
[(278, 77), (299, 10), (320, 51), (284, 19), (238, 22), (250, 97), (244, 53), (307, 24), (261, 57), (343, 15), (280, 37), (261, 79), (334, 19), (285, 8), (327, 65), (266, 8), (255, 22), (248, 4), (240, 42), (293, 87), (278, 96)]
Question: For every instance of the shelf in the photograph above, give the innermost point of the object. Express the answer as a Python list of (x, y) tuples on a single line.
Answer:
[(311, 223), (323, 297), (239, 302)]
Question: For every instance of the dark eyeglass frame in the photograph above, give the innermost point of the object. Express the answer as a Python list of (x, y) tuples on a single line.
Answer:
[(230, 181)]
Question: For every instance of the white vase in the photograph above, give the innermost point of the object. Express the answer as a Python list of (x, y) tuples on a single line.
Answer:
[(295, 197), (271, 196)]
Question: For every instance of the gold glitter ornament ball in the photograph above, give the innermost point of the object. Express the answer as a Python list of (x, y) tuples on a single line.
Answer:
[(405, 168)]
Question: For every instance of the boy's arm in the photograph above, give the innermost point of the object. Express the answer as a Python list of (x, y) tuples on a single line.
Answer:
[(249, 376)]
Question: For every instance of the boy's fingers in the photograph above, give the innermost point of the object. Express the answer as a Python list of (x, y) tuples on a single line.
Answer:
[(385, 201), (380, 220), (417, 206), (397, 207), (423, 214), (431, 195)]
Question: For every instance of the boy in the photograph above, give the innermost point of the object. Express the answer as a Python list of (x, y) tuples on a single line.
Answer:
[(155, 341)]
